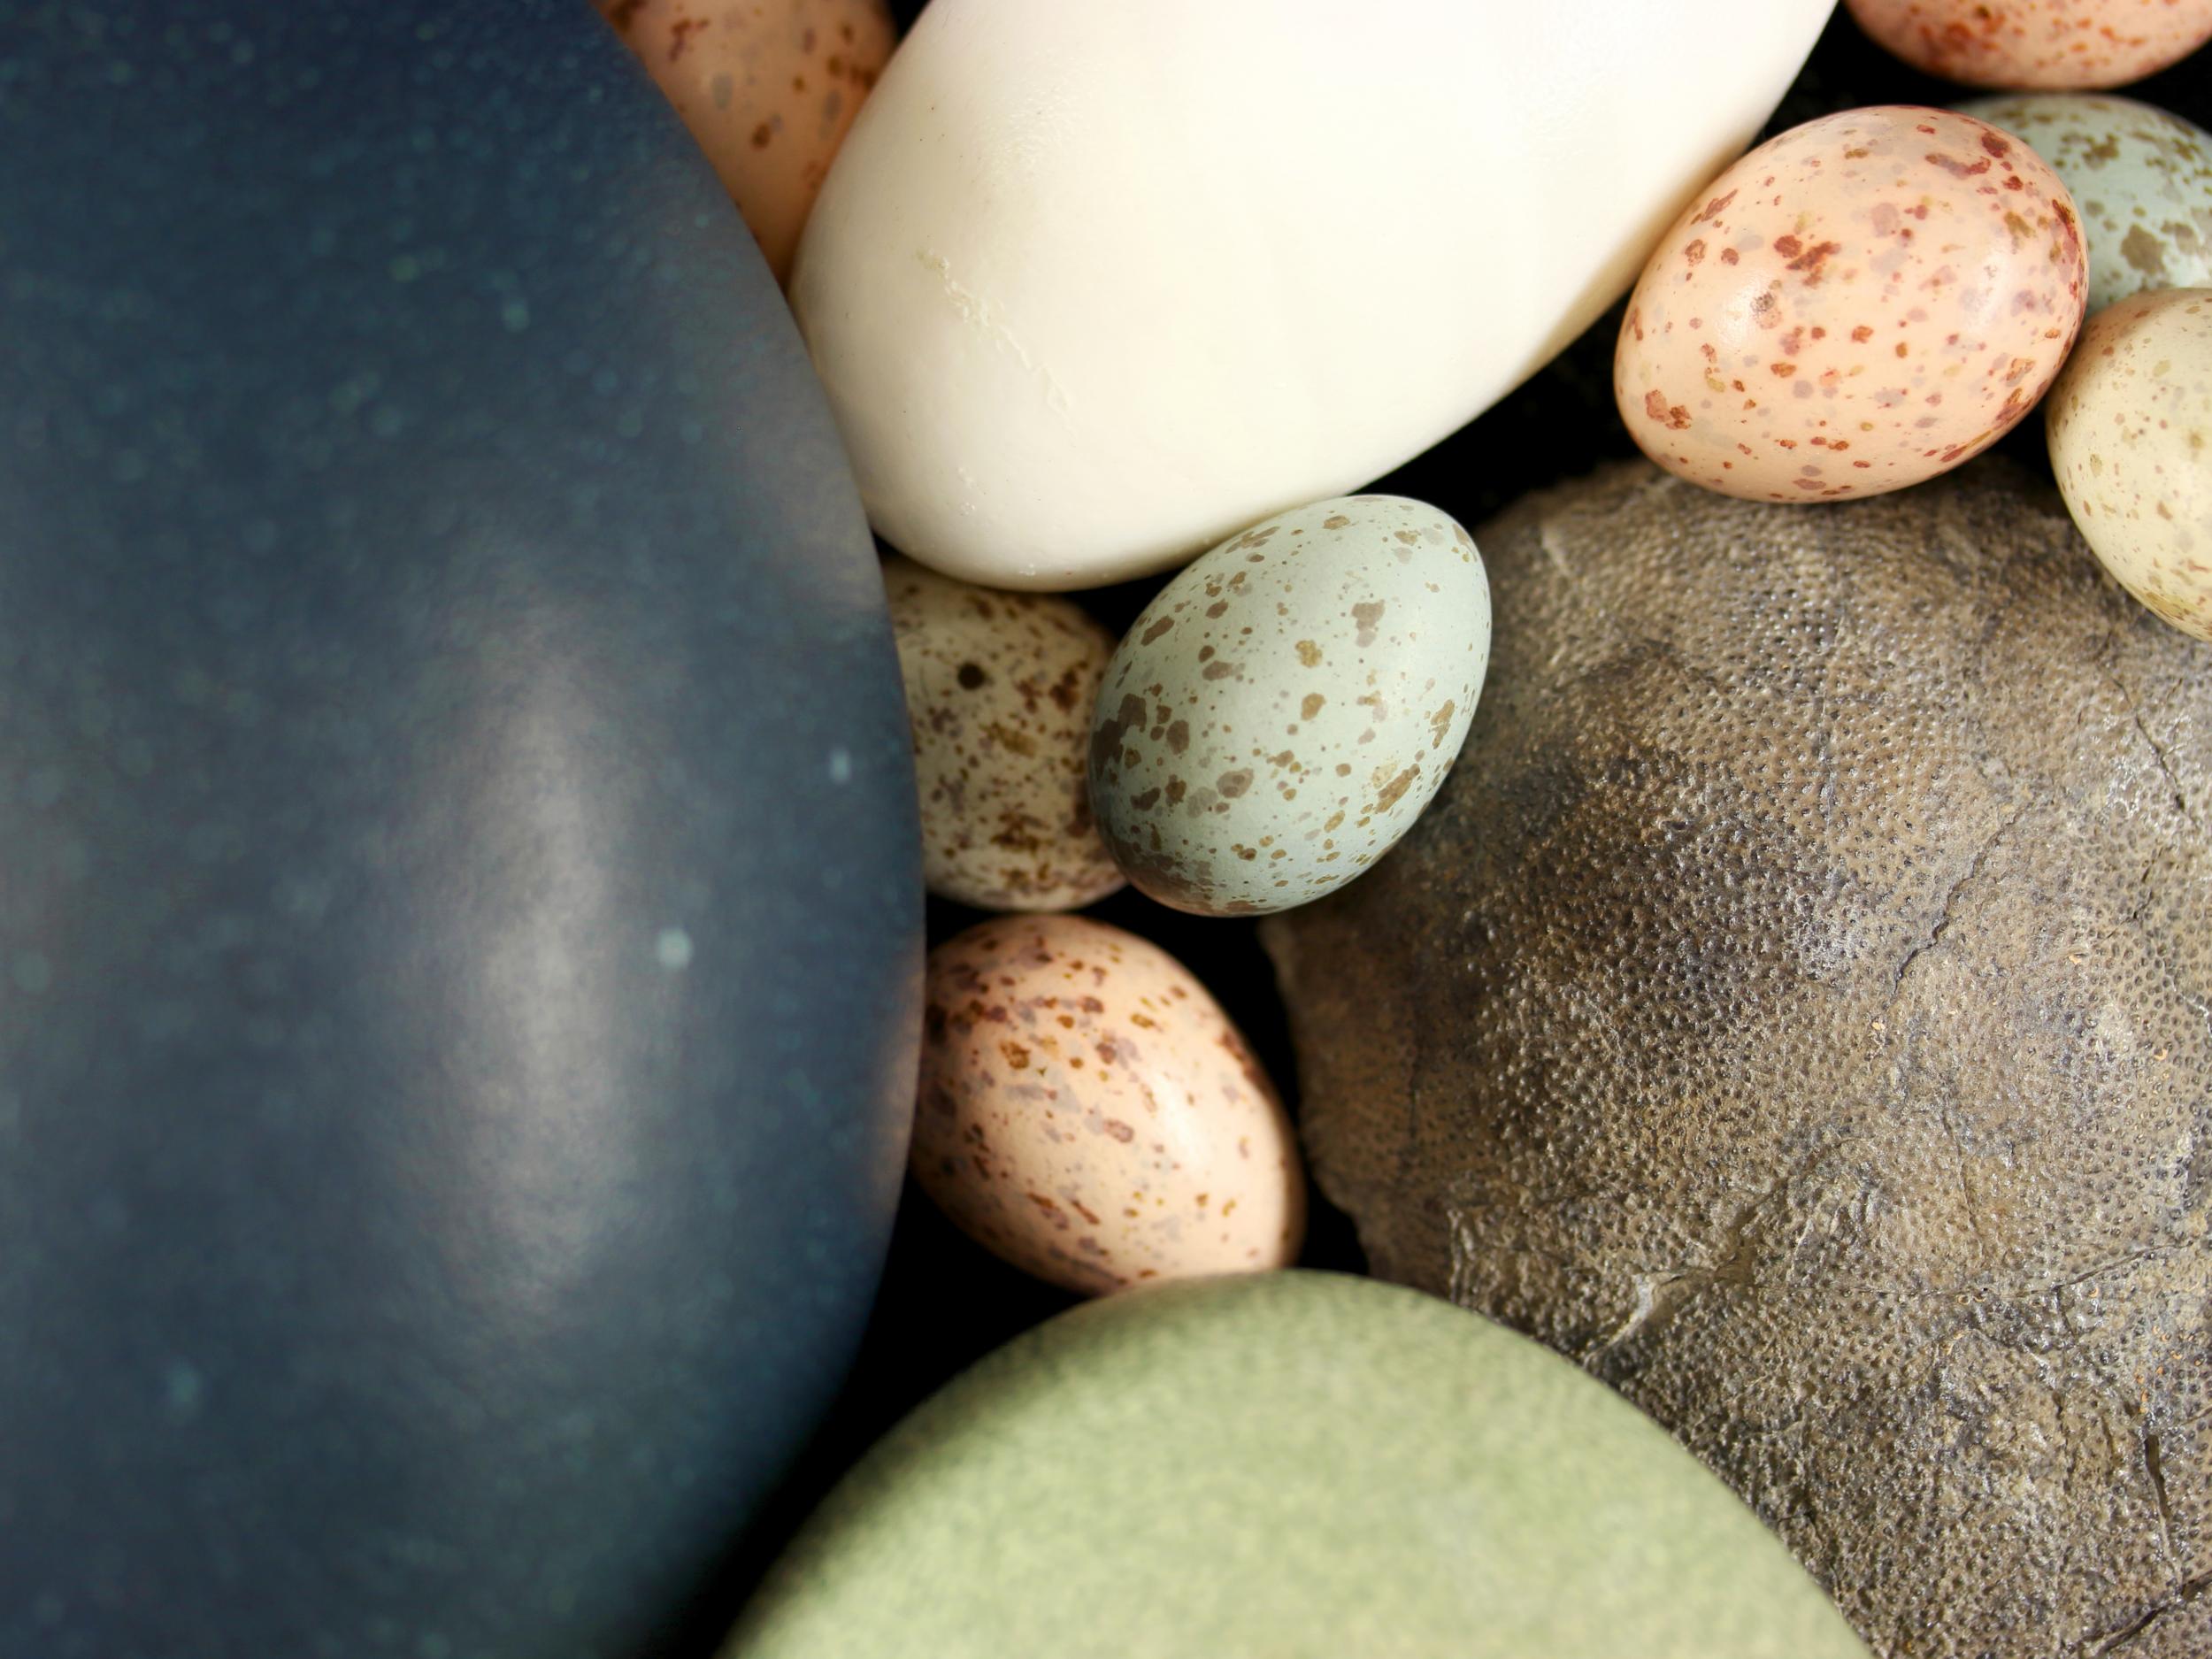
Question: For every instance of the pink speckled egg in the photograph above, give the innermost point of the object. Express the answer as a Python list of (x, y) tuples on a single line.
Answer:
[(2056, 45), (1856, 305), (767, 88), (1088, 1113)]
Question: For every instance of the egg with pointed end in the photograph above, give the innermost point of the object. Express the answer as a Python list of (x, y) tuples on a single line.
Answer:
[(1284, 709), (1088, 1113)]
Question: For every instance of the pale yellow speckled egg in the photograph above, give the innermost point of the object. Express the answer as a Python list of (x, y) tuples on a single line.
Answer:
[(1087, 1112), (1000, 688), (2131, 430), (767, 88), (2055, 45), (1861, 303)]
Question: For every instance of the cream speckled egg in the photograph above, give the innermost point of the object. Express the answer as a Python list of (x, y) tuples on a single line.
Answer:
[(2060, 44), (1861, 303), (2141, 181), (767, 88), (1286, 706), (1000, 688), (2131, 430), (1088, 1113)]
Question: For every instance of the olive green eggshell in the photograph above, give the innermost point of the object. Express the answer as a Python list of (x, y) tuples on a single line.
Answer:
[(2141, 179), (1299, 1465), (1284, 709)]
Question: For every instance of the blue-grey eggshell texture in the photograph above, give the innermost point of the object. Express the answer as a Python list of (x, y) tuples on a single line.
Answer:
[(460, 919), (1283, 709)]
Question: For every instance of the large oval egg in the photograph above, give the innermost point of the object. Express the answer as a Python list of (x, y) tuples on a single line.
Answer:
[(1092, 286), (1861, 303), (2141, 181), (460, 936), (1088, 1113), (2130, 425), (1293, 1465), (1284, 708)]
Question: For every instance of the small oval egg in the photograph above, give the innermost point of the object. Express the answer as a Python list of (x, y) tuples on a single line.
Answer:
[(1000, 689), (1286, 706), (1088, 1113), (2061, 45), (2130, 432), (1861, 303), (767, 90), (2141, 181)]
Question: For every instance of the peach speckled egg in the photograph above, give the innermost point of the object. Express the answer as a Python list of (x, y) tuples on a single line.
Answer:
[(767, 87), (1856, 305), (2131, 430), (1088, 1112), (2055, 45), (1000, 688)]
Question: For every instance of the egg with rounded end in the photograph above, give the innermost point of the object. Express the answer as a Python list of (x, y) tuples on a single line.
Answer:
[(1082, 311), (2061, 45), (458, 995), (1000, 689), (1301, 1465), (2130, 433), (767, 91), (1858, 304), (2140, 179), (1283, 709), (1087, 1112)]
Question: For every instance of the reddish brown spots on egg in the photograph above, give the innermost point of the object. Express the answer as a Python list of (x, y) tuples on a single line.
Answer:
[(1674, 416), (1714, 208), (1695, 251)]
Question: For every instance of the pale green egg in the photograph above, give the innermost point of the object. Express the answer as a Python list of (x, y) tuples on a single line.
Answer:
[(2141, 178), (1295, 1465), (1286, 707)]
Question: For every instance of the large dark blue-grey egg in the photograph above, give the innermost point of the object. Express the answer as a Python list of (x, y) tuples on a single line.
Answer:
[(460, 912)]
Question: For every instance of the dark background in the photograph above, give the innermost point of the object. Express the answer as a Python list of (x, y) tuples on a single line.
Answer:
[(945, 1302)]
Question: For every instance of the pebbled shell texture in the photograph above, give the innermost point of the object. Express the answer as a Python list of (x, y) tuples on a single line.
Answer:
[(1284, 708), (1856, 305)]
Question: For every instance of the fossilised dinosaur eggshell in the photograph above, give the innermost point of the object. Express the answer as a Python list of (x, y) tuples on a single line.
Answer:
[(1793, 1008)]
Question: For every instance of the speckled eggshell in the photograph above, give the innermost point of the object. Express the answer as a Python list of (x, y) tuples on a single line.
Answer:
[(1088, 1113), (1000, 689), (2057, 45), (1284, 708), (2141, 181), (767, 88), (2131, 431), (1861, 303)]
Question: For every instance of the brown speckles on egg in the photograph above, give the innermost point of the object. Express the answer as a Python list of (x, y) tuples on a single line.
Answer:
[(2130, 435), (1023, 1136), (1367, 631), (2054, 44), (1865, 302), (1000, 689), (751, 83)]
